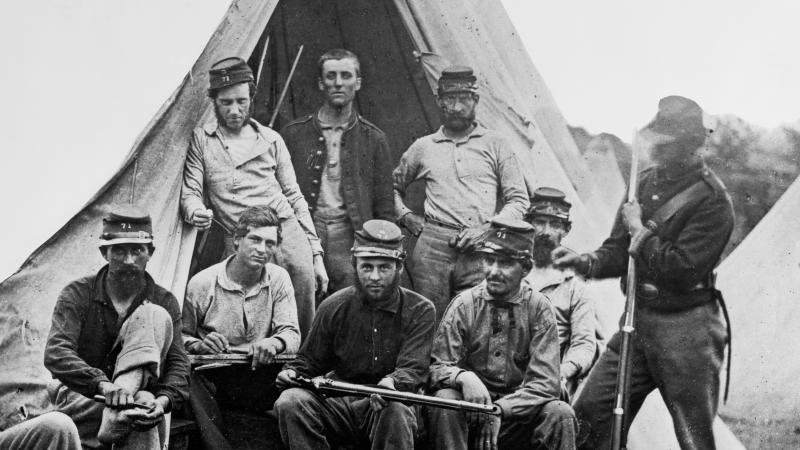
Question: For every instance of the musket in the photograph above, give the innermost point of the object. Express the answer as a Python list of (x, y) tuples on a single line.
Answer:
[(206, 362), (325, 386), (619, 433), (285, 87)]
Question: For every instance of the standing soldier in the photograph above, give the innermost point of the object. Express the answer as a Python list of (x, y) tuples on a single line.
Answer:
[(466, 168), (577, 323), (342, 163), (498, 344), (235, 162), (676, 233)]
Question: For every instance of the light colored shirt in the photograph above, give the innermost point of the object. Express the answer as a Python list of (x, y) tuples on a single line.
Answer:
[(216, 303), (463, 179), (575, 317), (331, 201), (512, 346), (236, 180)]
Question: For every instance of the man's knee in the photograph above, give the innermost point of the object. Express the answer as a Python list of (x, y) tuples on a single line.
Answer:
[(398, 411), (293, 400), (449, 394), (57, 424), (558, 410)]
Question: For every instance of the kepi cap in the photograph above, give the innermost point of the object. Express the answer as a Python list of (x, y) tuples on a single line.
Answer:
[(508, 237), (126, 226), (457, 79), (379, 238), (228, 72), (678, 118), (548, 201)]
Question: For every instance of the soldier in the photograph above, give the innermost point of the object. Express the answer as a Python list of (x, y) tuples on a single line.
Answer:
[(466, 168), (342, 163), (575, 316), (243, 304), (235, 162), (676, 233), (498, 343), (118, 334), (374, 332)]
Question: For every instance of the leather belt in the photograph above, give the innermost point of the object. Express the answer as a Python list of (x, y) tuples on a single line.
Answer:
[(439, 223)]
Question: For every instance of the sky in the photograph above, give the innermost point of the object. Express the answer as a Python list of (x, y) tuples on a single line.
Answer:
[(82, 78)]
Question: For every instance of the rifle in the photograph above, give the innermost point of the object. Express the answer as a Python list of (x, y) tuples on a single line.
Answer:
[(285, 87), (619, 433), (327, 386), (206, 362)]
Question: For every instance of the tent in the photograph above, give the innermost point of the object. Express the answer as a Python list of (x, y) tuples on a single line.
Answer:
[(403, 45), (599, 155), (760, 280)]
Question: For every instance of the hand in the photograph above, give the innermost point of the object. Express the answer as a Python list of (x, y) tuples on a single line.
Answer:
[(413, 223), (116, 396), (376, 402), (264, 350), (320, 275), (214, 343), (146, 419), (201, 218), (474, 391), (632, 217), (286, 379), (467, 239), (489, 430), (564, 258)]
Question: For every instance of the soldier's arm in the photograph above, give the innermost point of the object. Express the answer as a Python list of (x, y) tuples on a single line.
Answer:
[(383, 200), (284, 313), (512, 183), (193, 173), (583, 332), (413, 360)]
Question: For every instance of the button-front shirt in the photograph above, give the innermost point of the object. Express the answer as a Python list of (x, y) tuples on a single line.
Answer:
[(216, 303), (477, 169), (575, 316), (511, 345), (237, 180), (363, 342), (331, 201), (80, 349)]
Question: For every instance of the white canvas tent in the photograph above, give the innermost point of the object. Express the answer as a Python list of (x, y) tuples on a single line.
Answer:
[(403, 44), (761, 284)]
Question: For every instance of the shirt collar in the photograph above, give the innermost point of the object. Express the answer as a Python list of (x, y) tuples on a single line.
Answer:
[(539, 281), (225, 282), (211, 128), (391, 305), (101, 296), (478, 131), (351, 122)]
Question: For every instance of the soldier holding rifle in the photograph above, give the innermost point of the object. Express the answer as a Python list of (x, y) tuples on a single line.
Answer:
[(243, 304), (675, 233), (498, 344), (374, 332)]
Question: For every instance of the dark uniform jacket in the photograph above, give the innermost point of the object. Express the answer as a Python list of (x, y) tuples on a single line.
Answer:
[(80, 350), (679, 257), (366, 163), (362, 342)]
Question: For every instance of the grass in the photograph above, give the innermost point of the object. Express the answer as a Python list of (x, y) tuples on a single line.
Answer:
[(760, 435)]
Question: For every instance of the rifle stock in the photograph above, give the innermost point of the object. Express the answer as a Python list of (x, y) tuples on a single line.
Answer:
[(326, 385)]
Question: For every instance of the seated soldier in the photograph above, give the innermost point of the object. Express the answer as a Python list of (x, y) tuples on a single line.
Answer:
[(374, 333), (575, 314), (498, 344), (118, 334), (243, 304)]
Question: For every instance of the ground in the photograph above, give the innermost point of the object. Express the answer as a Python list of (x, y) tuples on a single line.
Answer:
[(782, 434)]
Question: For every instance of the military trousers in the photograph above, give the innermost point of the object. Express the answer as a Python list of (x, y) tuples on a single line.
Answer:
[(439, 271), (310, 422), (337, 237), (552, 427), (50, 431), (679, 353)]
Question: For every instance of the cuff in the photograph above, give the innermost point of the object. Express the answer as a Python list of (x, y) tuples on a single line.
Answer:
[(451, 380), (505, 408), (282, 341), (191, 344), (96, 382), (570, 369), (170, 397), (638, 240)]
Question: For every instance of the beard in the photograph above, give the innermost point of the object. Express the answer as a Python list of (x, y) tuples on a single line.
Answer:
[(458, 122), (543, 246), (221, 118), (391, 287), (126, 281)]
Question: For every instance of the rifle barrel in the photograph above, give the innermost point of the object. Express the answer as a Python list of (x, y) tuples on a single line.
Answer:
[(326, 384), (235, 358)]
